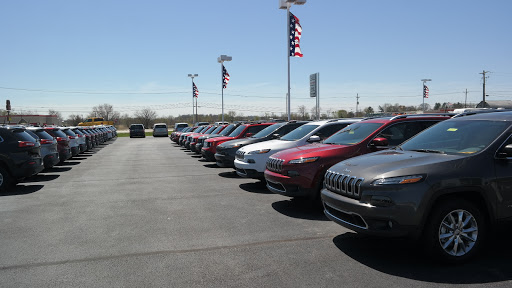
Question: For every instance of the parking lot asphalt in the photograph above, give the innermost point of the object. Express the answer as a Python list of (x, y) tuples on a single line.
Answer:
[(144, 212)]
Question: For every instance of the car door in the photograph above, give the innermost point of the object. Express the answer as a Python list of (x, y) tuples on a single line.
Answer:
[(503, 168)]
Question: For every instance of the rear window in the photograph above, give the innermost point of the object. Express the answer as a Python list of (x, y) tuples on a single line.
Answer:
[(69, 132), (136, 126), (161, 126), (57, 133), (21, 135), (44, 135)]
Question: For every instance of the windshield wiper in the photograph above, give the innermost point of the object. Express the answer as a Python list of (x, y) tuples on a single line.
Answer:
[(398, 147), (428, 151)]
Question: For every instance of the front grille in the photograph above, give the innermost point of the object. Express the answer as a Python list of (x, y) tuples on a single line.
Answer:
[(240, 155), (345, 185), (207, 144), (275, 165)]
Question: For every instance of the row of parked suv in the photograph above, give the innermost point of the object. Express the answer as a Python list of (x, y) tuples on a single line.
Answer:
[(26, 151), (443, 179)]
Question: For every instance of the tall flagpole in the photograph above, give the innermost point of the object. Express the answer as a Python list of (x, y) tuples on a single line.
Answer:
[(288, 56), (222, 83)]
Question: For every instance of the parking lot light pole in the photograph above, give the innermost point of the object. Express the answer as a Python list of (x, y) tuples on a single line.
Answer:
[(221, 60), (194, 116), (286, 4)]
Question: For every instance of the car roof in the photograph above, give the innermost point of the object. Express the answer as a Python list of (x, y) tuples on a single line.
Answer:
[(498, 115), (387, 119)]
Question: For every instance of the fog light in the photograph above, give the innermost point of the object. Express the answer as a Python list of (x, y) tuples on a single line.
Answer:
[(381, 201), (293, 173)]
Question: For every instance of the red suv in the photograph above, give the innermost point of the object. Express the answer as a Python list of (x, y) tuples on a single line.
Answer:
[(246, 130), (299, 172)]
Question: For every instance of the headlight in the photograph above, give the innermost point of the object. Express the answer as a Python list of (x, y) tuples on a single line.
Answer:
[(262, 151), (399, 180), (303, 160), (234, 146)]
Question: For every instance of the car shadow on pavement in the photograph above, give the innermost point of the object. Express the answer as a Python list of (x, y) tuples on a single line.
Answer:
[(255, 187), (404, 258), (229, 174), (21, 189), (301, 209), (56, 169), (41, 178), (210, 165), (68, 163)]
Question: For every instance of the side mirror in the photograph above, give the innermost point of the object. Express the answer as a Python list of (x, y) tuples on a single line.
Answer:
[(275, 136), (505, 152), (379, 141), (314, 138), (249, 134)]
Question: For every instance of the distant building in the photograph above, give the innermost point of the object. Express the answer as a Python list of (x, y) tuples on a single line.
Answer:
[(505, 104), (31, 119)]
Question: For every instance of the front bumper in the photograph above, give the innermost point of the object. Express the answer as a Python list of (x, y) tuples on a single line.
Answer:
[(208, 155), (225, 158), (288, 186), (362, 217), (247, 170)]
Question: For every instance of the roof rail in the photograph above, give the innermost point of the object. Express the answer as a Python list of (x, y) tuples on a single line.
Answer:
[(422, 115), (480, 112)]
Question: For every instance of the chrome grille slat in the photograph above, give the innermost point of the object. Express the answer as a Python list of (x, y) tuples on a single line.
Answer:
[(343, 184), (275, 165)]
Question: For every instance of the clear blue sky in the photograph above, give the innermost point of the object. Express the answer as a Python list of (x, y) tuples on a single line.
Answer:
[(73, 55)]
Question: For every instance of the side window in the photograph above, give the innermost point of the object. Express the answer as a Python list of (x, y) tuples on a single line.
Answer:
[(287, 129), (394, 133), (328, 130), (254, 129)]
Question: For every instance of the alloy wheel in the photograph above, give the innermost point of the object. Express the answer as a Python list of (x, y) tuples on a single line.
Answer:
[(458, 232)]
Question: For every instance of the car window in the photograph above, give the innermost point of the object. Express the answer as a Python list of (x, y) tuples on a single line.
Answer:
[(299, 132), (227, 130), (353, 134), (237, 131), (161, 126), (44, 135), (255, 129), (327, 131), (21, 135), (268, 130), (457, 137), (289, 128)]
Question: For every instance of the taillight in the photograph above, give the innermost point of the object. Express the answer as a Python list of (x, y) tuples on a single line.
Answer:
[(26, 144), (71, 137), (60, 139), (46, 141)]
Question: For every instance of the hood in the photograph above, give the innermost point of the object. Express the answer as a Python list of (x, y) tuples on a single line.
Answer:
[(223, 138), (311, 150), (243, 141), (390, 163), (274, 145)]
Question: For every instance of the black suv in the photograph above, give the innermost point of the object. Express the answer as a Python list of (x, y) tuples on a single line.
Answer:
[(447, 185), (20, 155), (225, 155), (137, 130)]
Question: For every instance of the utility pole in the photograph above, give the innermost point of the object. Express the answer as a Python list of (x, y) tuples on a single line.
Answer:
[(466, 99), (483, 73), (357, 103)]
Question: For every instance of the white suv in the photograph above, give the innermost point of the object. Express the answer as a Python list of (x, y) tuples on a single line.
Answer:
[(250, 161)]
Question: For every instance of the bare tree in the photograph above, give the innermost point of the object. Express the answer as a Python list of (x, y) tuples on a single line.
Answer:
[(106, 111), (73, 119), (146, 116)]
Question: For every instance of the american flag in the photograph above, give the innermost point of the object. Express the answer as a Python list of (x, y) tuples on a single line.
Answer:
[(425, 91), (225, 77), (196, 92), (295, 34)]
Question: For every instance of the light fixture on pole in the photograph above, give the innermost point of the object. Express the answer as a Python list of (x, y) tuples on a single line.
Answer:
[(194, 116), (425, 92), (221, 60), (286, 4)]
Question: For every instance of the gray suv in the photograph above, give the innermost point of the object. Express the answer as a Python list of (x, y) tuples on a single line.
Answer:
[(447, 186)]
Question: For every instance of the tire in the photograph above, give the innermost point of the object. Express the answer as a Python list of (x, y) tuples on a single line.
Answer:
[(5, 179), (444, 238)]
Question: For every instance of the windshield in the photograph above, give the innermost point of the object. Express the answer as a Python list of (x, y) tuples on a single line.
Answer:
[(353, 134), (217, 130), (237, 131), (299, 132), (457, 137), (227, 130), (210, 130), (267, 131)]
